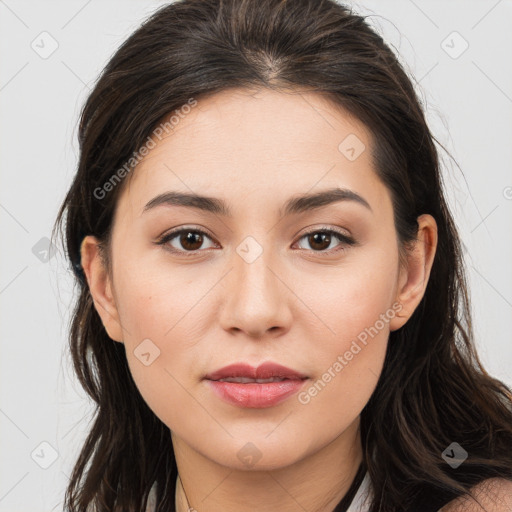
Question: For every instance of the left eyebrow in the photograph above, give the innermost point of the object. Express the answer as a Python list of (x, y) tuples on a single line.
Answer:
[(307, 202), (294, 205)]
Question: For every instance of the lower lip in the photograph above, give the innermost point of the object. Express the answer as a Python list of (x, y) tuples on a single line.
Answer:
[(255, 395)]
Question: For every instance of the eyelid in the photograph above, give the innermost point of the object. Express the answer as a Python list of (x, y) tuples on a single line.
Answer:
[(324, 229), (342, 237), (170, 235)]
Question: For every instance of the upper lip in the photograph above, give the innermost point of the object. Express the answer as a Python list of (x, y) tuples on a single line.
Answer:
[(263, 371)]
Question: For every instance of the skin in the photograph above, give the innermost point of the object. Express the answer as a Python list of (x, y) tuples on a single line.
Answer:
[(291, 305), (491, 495)]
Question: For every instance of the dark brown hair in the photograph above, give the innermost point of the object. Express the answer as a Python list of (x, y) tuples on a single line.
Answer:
[(432, 390)]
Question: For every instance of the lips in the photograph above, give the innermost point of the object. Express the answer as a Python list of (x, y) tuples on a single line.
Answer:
[(267, 370), (243, 385)]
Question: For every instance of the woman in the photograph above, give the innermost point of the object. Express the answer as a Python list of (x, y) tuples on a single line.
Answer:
[(272, 309)]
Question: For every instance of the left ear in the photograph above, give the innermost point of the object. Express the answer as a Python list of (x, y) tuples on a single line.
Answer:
[(413, 278)]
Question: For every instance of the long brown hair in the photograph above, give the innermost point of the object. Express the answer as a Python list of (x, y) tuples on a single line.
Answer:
[(433, 389)]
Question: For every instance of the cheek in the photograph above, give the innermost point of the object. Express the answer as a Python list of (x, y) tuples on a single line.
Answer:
[(154, 302), (158, 314), (347, 364), (350, 301), (356, 309)]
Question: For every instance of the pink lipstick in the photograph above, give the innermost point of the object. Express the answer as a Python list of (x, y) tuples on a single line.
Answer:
[(243, 385)]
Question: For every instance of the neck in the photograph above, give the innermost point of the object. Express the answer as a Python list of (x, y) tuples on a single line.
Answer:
[(316, 483)]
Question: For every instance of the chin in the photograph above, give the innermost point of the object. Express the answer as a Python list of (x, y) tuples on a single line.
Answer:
[(258, 453)]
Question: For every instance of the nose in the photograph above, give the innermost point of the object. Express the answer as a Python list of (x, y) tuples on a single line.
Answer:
[(257, 298)]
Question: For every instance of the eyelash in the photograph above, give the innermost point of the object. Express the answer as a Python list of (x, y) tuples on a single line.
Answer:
[(166, 238)]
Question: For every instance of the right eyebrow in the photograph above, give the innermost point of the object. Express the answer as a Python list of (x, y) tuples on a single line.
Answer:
[(205, 203)]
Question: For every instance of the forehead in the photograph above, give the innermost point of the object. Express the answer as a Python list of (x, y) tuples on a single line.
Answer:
[(259, 143), (264, 124)]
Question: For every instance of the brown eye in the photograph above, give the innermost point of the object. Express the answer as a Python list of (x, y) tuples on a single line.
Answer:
[(320, 241), (191, 240), (185, 240)]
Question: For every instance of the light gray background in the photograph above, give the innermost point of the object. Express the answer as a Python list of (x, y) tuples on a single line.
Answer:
[(469, 107)]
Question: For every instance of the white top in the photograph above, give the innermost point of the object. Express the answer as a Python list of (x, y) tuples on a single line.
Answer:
[(361, 502)]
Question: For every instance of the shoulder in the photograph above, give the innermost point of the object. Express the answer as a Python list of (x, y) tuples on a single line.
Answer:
[(491, 495)]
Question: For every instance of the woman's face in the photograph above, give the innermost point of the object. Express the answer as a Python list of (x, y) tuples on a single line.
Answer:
[(259, 278)]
